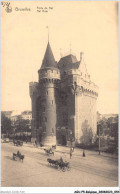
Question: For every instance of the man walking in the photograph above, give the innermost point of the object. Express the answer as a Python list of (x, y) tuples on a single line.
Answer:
[(70, 153)]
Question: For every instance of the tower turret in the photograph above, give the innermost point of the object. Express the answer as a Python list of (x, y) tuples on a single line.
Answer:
[(45, 100)]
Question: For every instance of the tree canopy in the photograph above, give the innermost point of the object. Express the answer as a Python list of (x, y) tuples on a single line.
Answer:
[(6, 126)]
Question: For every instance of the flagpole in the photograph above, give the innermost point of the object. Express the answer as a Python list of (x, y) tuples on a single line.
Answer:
[(48, 32), (70, 47)]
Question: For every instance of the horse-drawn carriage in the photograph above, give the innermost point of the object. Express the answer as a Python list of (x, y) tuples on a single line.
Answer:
[(18, 156), (18, 143), (49, 151), (53, 146), (60, 164)]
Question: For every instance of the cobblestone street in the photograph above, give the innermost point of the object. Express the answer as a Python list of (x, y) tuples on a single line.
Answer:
[(91, 171)]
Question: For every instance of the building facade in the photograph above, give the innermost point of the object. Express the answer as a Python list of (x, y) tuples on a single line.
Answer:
[(7, 114), (26, 115), (63, 101)]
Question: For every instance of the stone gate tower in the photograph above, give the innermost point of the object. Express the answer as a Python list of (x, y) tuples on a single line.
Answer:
[(43, 98), (63, 101)]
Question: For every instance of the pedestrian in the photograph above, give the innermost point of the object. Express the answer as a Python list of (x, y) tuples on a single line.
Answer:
[(72, 149), (61, 160), (83, 153), (70, 153), (50, 150), (35, 143), (18, 153)]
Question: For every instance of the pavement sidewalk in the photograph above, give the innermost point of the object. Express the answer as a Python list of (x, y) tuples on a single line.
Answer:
[(77, 151)]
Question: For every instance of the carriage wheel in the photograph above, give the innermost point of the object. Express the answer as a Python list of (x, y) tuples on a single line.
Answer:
[(63, 169)]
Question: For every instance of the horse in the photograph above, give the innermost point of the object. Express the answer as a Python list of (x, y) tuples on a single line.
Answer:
[(21, 157)]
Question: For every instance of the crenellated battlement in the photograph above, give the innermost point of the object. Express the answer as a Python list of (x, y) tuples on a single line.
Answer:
[(49, 73), (88, 86)]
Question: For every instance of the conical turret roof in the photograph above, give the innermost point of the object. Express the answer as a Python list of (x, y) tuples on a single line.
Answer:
[(49, 60)]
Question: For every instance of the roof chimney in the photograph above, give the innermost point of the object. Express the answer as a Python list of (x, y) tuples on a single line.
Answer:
[(81, 56)]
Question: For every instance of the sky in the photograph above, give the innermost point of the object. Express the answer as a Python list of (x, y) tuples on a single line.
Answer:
[(90, 27)]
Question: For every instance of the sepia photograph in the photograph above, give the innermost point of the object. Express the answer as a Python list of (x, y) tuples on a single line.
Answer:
[(59, 94)]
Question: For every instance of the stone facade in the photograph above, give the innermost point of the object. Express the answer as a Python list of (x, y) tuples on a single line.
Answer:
[(63, 101)]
